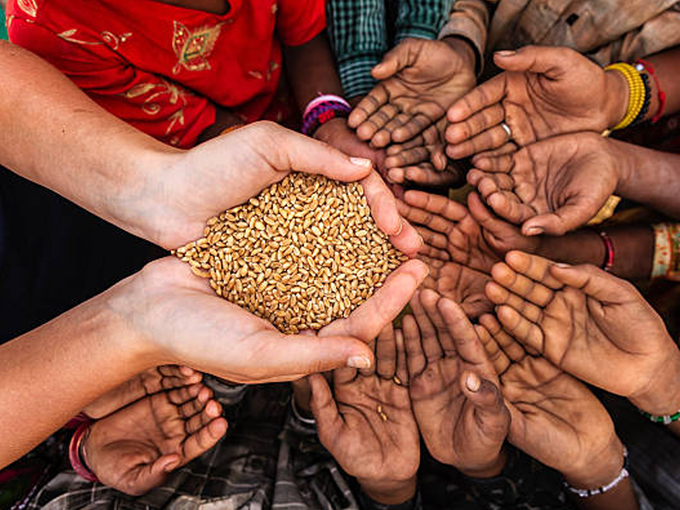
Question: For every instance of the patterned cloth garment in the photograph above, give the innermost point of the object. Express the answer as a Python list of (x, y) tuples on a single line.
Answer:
[(270, 459), (359, 32), (163, 68), (606, 31)]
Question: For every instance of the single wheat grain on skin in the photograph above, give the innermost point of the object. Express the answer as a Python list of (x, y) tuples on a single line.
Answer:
[(303, 253)]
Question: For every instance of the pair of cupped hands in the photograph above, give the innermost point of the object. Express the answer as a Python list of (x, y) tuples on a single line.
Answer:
[(551, 174)]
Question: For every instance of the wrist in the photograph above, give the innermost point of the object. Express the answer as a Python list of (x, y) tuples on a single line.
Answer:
[(616, 103), (661, 395), (387, 492), (599, 469), (489, 470), (464, 49)]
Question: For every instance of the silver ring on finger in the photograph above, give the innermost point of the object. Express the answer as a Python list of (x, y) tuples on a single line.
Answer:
[(507, 130)]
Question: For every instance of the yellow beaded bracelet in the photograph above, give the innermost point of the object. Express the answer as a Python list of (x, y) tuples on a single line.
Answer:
[(637, 92)]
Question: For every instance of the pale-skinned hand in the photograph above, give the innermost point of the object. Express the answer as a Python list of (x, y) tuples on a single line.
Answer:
[(164, 304), (419, 80), (367, 424), (590, 324), (552, 186), (544, 91), (255, 156), (134, 449), (471, 236), (454, 388), (555, 418)]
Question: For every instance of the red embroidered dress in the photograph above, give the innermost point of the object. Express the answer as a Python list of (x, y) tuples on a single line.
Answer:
[(162, 68)]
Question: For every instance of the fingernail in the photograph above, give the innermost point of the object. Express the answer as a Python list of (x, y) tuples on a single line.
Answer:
[(362, 162), (401, 226), (535, 231), (506, 53), (359, 362), (472, 382), (171, 466), (562, 266)]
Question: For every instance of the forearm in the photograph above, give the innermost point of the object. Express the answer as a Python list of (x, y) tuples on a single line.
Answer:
[(49, 374), (56, 136), (649, 177), (633, 249), (620, 497), (469, 20), (311, 71)]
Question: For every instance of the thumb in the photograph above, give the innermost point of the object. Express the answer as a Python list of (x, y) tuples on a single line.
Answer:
[(488, 401), (483, 216), (568, 217), (546, 60), (324, 408), (398, 58), (596, 283)]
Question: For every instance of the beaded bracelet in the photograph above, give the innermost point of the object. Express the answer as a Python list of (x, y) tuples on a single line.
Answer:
[(75, 452), (636, 92), (648, 99), (666, 419), (649, 68), (321, 110), (586, 493)]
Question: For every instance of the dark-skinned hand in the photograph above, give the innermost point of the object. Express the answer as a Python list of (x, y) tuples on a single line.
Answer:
[(555, 418), (454, 388), (552, 186), (471, 236), (544, 91), (134, 449), (590, 324), (419, 80), (367, 424)]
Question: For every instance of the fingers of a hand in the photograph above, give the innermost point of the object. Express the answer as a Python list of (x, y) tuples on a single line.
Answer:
[(401, 371), (415, 357), (416, 141), (191, 408), (595, 282), (212, 410), (386, 353), (408, 157), (526, 288), (407, 241), (465, 340), (490, 139), (386, 134), (505, 150), (499, 295), (304, 154), (534, 267), (476, 124), (324, 408), (412, 127), (433, 329), (375, 122), (382, 203), (479, 98), (434, 253), (568, 217), (204, 439), (488, 401), (506, 204), (183, 394), (436, 204), (497, 357), (367, 106), (371, 317), (175, 376), (521, 328), (551, 61), (425, 175), (511, 348)]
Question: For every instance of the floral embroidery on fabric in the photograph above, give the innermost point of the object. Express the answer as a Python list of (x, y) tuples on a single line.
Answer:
[(193, 47), (109, 38), (666, 251), (30, 7)]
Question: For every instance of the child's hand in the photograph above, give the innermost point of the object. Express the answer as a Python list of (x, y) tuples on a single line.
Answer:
[(420, 80), (453, 388), (555, 418), (134, 449), (367, 424)]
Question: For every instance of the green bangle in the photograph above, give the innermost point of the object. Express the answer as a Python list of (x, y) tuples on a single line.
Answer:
[(666, 420)]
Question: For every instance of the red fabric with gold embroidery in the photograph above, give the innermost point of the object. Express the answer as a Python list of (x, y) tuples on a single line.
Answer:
[(161, 67)]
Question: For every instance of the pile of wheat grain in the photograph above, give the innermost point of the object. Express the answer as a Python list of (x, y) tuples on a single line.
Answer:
[(304, 252)]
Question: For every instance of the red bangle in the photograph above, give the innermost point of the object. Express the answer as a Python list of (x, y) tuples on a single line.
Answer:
[(609, 251), (662, 95), (79, 464)]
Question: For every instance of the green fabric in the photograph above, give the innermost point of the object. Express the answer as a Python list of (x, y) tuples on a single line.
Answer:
[(359, 33), (3, 29)]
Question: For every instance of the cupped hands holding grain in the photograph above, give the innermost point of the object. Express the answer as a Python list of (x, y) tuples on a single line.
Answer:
[(301, 254)]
